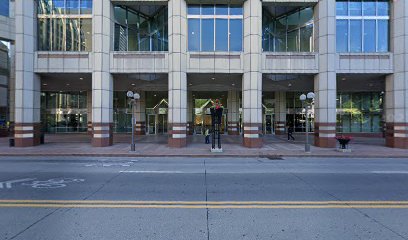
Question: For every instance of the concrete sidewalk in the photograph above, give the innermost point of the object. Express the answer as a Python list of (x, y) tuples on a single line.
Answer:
[(155, 146)]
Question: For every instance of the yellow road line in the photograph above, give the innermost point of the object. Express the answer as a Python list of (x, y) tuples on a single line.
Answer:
[(206, 203), (12, 205)]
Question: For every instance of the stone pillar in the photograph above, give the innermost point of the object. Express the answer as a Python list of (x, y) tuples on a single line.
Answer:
[(325, 81), (190, 106), (233, 112), (177, 116), (140, 114), (280, 113), (396, 85), (12, 86), (102, 80), (89, 110), (252, 77), (28, 84)]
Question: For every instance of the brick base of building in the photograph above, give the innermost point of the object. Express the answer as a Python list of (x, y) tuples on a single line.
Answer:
[(140, 128), (102, 134), (253, 135), (177, 135), (190, 128), (324, 135), (233, 128), (27, 134), (280, 128), (396, 135)]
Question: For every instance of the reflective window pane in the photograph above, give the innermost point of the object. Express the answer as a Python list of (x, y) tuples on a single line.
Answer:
[(207, 9), (207, 36), (280, 39), (72, 35), (44, 36), (369, 35), (194, 34), (44, 6), (341, 8), (383, 35), (57, 31), (355, 8), (86, 34), (236, 35), (383, 8), (293, 21), (72, 7), (355, 36), (4, 7), (293, 40), (193, 10), (86, 7), (58, 6), (221, 35), (236, 10), (369, 7), (342, 35), (306, 38), (221, 9)]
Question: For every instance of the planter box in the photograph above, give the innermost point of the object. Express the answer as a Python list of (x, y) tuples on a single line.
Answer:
[(344, 150)]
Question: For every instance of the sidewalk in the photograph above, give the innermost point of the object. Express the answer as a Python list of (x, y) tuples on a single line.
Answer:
[(155, 146)]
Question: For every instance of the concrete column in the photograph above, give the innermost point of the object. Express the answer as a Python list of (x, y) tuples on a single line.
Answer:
[(177, 116), (252, 78), (140, 114), (12, 86), (28, 84), (325, 81), (102, 80), (280, 113), (396, 102), (89, 110), (190, 106), (233, 112)]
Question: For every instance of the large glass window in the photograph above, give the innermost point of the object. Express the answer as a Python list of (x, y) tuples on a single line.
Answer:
[(135, 31), (4, 7), (362, 25), (215, 28), (64, 25), (291, 32), (359, 112)]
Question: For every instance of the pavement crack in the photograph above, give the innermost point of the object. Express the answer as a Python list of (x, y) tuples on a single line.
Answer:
[(206, 198), (353, 208), (39, 220)]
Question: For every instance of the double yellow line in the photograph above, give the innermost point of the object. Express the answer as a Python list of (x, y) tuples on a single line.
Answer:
[(202, 204)]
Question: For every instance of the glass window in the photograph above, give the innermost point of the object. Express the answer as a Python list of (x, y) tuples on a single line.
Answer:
[(221, 9), (382, 36), (4, 7), (58, 39), (207, 10), (293, 39), (383, 8), (369, 7), (86, 7), (236, 35), (58, 6), (306, 38), (194, 34), (355, 36), (44, 36), (72, 7), (355, 7), (207, 36), (221, 35), (193, 10), (342, 35), (369, 35), (72, 35), (236, 10), (86, 34), (44, 6), (341, 8)]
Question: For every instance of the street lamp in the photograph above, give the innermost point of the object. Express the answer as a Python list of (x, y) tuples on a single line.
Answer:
[(308, 100), (133, 98)]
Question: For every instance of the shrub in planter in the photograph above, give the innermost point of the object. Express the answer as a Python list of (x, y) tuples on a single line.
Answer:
[(343, 141)]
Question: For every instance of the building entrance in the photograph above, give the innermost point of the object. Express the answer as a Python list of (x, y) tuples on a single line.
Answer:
[(202, 116), (269, 123), (157, 124)]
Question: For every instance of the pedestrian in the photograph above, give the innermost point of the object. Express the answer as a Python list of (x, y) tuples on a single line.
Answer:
[(290, 132), (207, 136)]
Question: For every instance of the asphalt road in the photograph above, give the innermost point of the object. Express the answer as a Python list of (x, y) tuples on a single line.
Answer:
[(192, 198)]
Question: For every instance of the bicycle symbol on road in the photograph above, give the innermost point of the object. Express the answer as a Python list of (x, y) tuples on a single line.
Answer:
[(53, 183)]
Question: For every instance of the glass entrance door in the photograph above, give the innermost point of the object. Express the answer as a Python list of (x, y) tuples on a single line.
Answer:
[(151, 124), (269, 123), (162, 124)]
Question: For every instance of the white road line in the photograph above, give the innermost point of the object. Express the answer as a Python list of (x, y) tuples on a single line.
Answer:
[(7, 184), (151, 171)]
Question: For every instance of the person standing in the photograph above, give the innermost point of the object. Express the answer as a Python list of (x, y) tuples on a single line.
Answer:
[(207, 136)]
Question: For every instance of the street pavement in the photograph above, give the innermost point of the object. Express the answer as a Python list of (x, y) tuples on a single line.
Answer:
[(203, 198)]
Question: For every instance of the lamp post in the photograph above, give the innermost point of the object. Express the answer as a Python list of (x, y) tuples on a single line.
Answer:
[(307, 100), (133, 98)]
